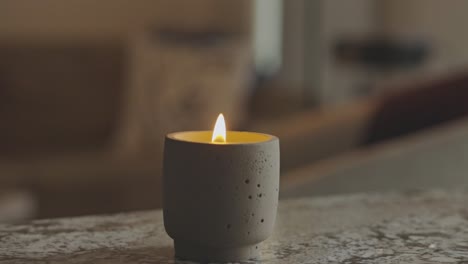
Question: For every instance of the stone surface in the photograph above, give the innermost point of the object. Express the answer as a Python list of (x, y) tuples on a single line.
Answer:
[(409, 227)]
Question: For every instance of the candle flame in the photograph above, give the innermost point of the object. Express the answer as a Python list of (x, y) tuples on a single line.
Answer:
[(219, 131)]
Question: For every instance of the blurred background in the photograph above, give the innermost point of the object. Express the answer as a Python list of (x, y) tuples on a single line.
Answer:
[(365, 95)]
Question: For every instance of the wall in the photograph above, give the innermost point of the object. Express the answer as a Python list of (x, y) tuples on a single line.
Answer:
[(311, 29), (343, 19), (443, 23)]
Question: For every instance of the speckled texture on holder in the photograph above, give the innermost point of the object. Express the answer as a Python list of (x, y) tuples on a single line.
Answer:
[(220, 200)]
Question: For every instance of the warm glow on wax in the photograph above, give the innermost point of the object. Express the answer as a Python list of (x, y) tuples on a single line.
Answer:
[(219, 131)]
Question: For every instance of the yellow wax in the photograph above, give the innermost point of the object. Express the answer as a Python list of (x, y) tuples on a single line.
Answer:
[(232, 137)]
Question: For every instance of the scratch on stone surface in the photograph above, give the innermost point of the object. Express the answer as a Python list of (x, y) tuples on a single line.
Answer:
[(416, 227)]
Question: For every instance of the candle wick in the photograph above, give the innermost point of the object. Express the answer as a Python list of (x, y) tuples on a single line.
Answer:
[(219, 139)]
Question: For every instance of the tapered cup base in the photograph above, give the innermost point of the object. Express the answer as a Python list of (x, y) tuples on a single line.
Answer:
[(186, 251)]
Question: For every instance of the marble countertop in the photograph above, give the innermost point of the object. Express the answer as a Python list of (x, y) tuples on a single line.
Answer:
[(409, 227)]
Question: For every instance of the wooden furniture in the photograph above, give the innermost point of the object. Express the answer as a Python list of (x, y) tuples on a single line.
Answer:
[(429, 159), (407, 227), (316, 134), (86, 102)]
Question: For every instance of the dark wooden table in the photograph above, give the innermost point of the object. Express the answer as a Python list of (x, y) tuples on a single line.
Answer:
[(409, 227)]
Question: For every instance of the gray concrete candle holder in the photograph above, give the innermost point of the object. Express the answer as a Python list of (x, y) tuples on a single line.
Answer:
[(220, 199)]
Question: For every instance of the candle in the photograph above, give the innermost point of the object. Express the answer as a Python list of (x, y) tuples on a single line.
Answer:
[(220, 192)]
